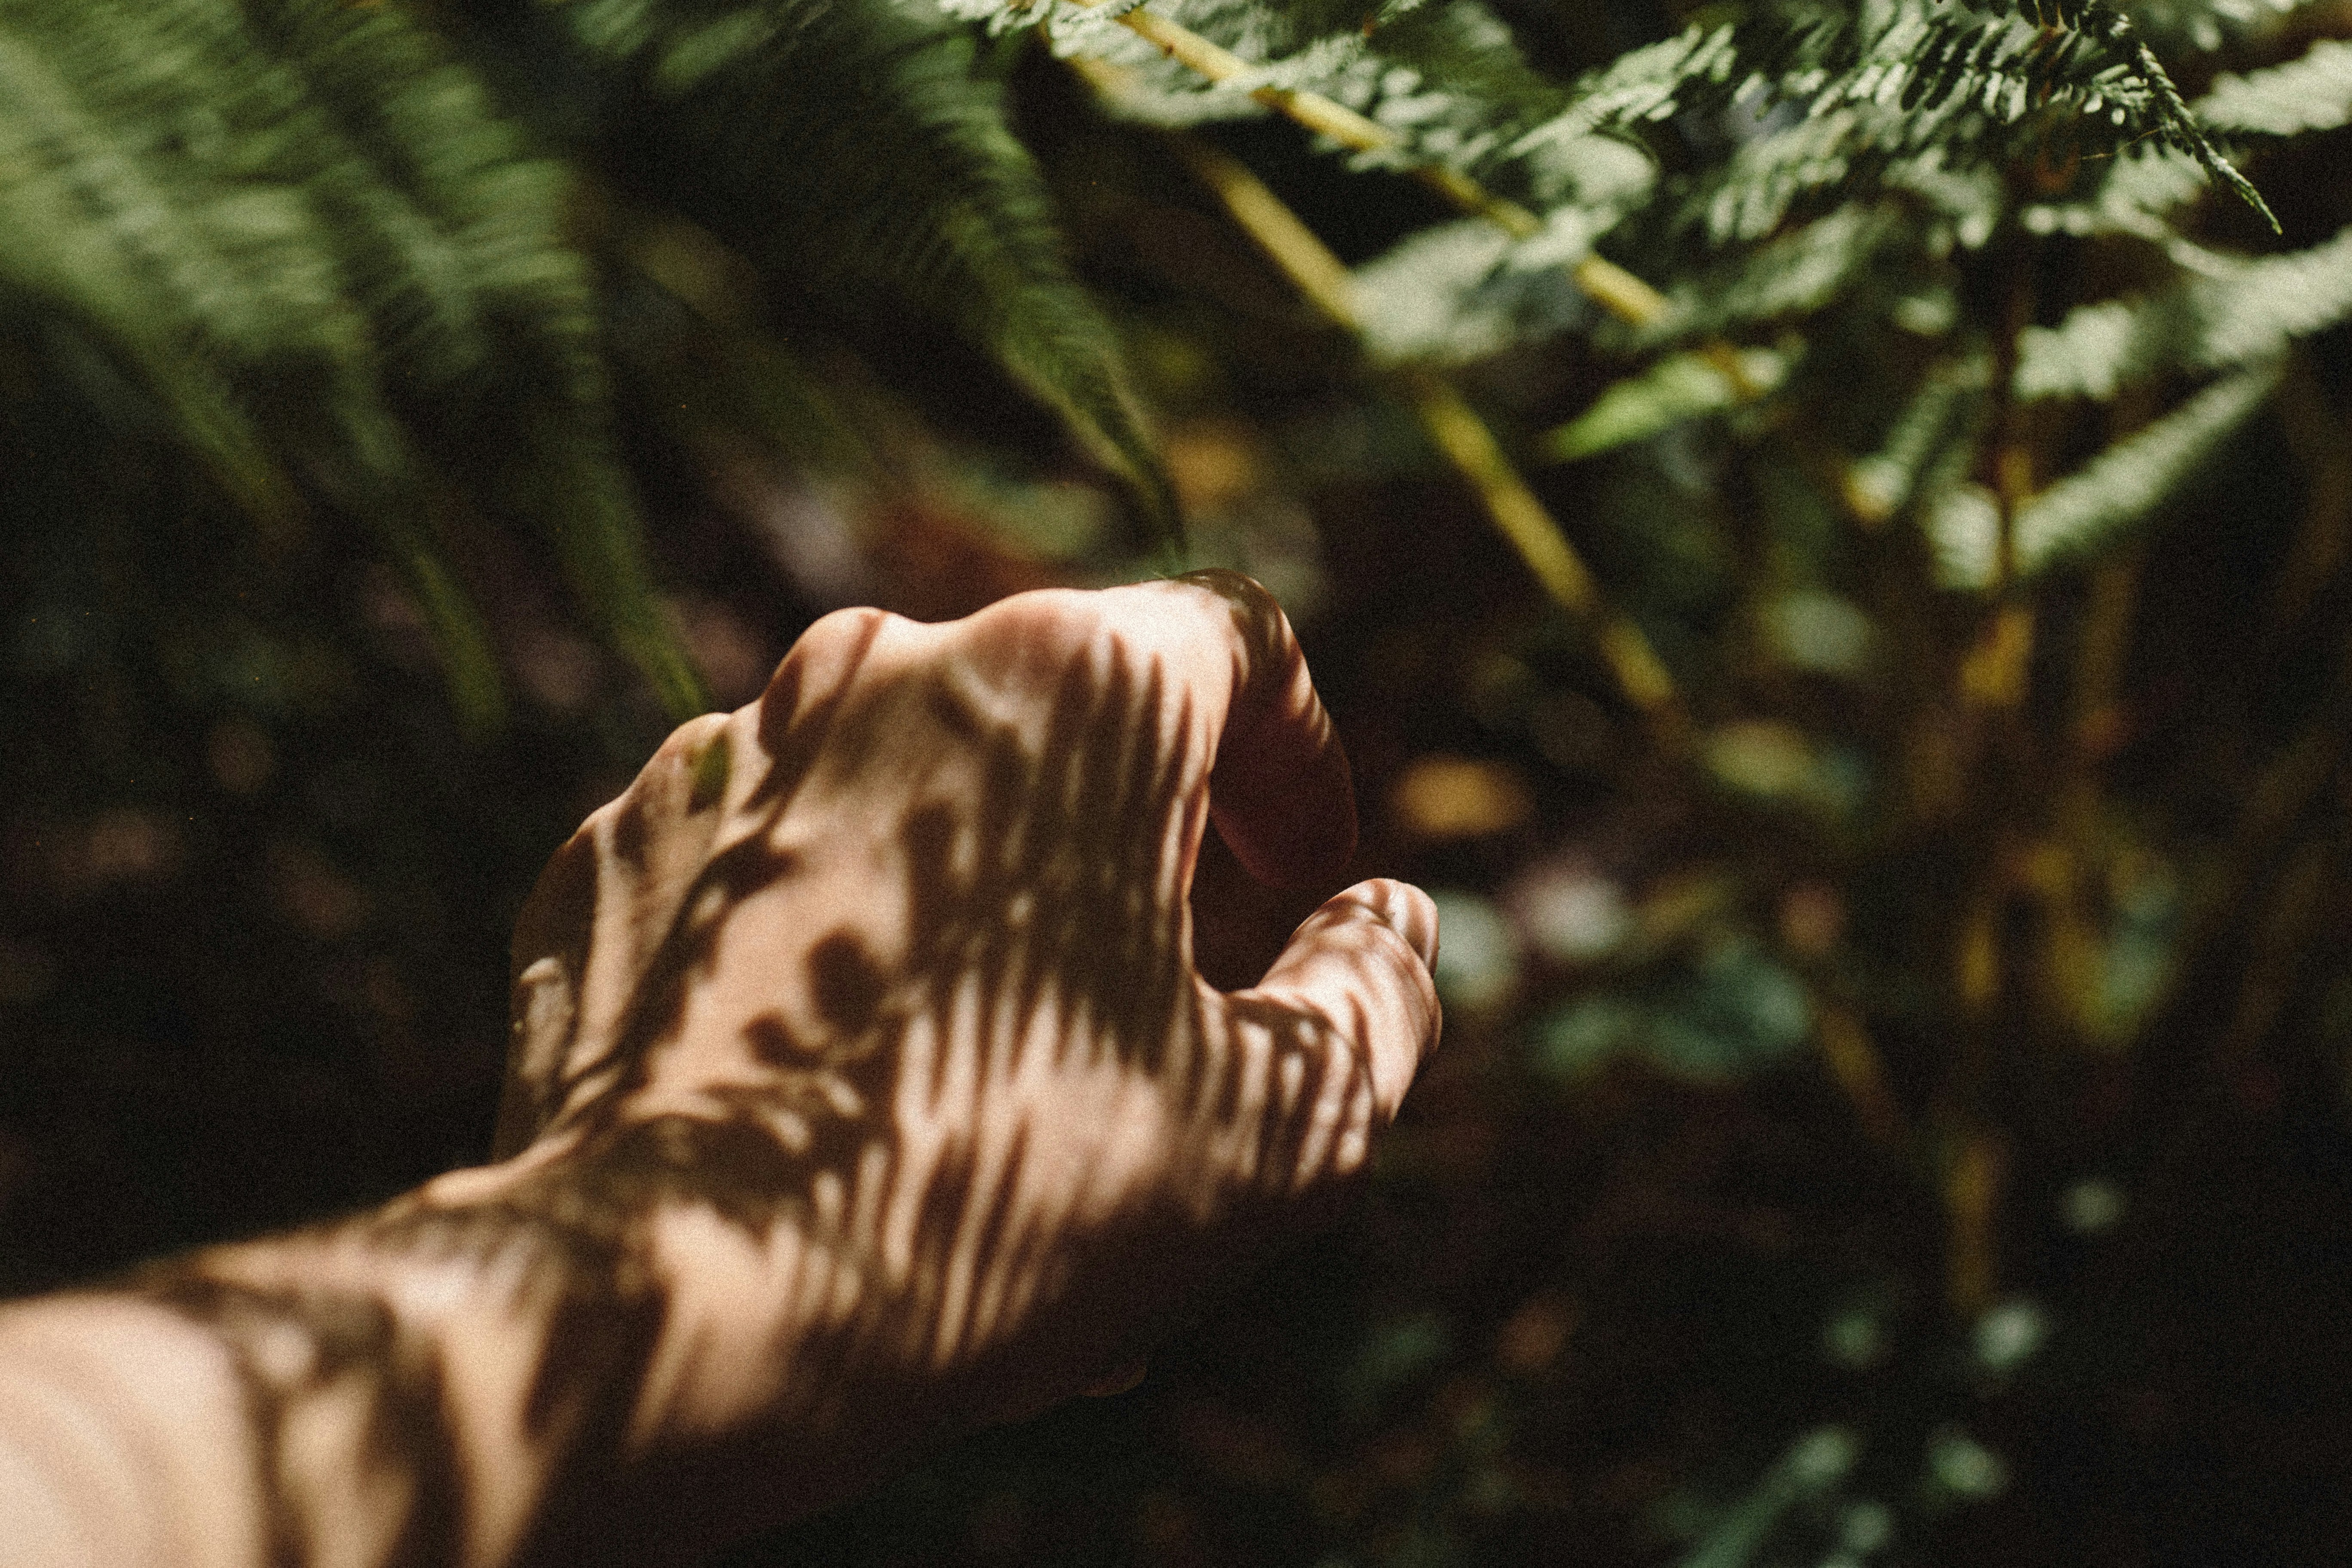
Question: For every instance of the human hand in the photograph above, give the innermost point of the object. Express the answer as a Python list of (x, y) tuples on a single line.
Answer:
[(866, 1018), (863, 1091)]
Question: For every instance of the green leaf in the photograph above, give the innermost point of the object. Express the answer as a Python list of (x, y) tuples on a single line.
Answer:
[(2313, 93), (2122, 486), (1679, 387), (1794, 275), (2118, 492), (1904, 94), (1461, 291), (2242, 311), (304, 228), (848, 146)]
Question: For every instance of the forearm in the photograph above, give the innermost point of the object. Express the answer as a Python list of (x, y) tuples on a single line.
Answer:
[(124, 1438), (414, 1385)]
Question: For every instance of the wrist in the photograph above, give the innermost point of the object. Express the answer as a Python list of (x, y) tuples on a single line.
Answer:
[(691, 1358), (429, 1382), (392, 1367)]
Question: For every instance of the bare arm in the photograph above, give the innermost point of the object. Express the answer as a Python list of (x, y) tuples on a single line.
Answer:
[(863, 1092)]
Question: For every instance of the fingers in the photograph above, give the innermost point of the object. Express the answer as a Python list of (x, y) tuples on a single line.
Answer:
[(1225, 657), (1360, 967), (1279, 794)]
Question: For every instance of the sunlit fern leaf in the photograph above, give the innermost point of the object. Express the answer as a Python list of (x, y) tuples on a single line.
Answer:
[(305, 229), (1456, 85), (1462, 291), (2312, 93), (1906, 93), (2251, 310), (1464, 49), (847, 145), (1792, 275), (2122, 489), (1448, 80), (2136, 194), (2174, 121), (2125, 485), (1678, 387)]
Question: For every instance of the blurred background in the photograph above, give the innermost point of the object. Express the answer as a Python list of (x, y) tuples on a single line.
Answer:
[(1850, 617)]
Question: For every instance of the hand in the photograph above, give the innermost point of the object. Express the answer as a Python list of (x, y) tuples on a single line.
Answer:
[(862, 1092), (869, 1010)]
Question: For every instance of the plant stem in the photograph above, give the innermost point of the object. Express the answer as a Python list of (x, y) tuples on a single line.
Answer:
[(1972, 1188), (1452, 427), (1611, 287), (1857, 1068), (1624, 294)]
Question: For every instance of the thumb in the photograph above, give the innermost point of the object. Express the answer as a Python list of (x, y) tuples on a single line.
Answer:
[(1361, 965)]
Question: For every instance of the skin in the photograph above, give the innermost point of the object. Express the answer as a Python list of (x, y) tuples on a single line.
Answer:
[(862, 1093)]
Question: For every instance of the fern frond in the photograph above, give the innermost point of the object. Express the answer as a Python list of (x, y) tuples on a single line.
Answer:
[(1678, 387), (1462, 292), (2251, 310), (1422, 88), (2172, 119), (1906, 91), (2312, 93), (1928, 447), (1794, 275), (301, 226), (848, 145), (2134, 197), (2123, 487), (2125, 484)]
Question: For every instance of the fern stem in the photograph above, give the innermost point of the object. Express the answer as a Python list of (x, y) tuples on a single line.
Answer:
[(1612, 288), (1972, 1193), (1859, 1071), (1454, 428), (2070, 917), (2315, 434)]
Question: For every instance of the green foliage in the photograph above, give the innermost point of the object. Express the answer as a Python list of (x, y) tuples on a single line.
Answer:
[(2313, 93), (343, 270), (304, 229), (2081, 513), (2228, 313), (2123, 488), (1673, 389), (849, 148)]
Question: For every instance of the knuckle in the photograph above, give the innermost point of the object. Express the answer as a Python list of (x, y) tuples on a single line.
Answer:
[(684, 743), (836, 628), (1257, 614), (1043, 630), (1246, 594)]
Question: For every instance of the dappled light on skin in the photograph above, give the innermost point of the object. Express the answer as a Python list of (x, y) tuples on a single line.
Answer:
[(861, 1080)]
